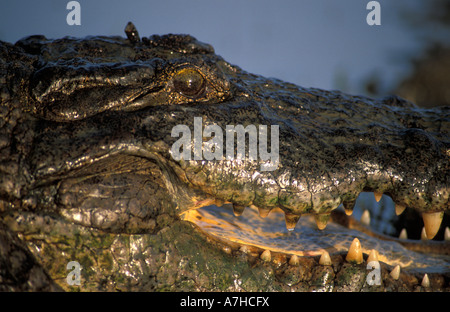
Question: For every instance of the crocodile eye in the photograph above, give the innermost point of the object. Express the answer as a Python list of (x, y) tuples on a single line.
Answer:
[(189, 82)]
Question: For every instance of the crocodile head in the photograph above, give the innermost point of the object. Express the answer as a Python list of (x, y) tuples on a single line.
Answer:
[(112, 147)]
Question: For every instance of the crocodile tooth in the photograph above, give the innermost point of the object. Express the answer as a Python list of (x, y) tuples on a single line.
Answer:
[(291, 221), (263, 212), (348, 207), (325, 258), (322, 220), (355, 252), (238, 210), (294, 260), (447, 234), (227, 250), (378, 196), (423, 234), (395, 273), (266, 255), (399, 209), (403, 234), (373, 256), (425, 281), (365, 218), (244, 249), (348, 212), (432, 222)]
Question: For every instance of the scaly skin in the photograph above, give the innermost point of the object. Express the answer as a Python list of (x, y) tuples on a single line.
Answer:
[(87, 173)]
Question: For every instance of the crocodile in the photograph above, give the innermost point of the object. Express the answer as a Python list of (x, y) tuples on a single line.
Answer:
[(91, 174)]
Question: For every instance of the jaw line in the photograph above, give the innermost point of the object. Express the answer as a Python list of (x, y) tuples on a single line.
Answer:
[(249, 233)]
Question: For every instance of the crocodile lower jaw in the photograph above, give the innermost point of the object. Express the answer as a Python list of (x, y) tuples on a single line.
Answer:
[(273, 236)]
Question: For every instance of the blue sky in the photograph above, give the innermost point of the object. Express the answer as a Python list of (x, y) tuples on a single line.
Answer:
[(309, 43)]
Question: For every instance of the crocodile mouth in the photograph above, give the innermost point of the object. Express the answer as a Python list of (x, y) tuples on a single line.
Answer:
[(396, 239), (255, 231), (117, 195), (126, 197)]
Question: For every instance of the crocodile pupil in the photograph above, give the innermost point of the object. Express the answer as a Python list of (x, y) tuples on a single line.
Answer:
[(189, 82)]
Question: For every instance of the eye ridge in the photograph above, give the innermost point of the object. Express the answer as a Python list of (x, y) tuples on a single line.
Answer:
[(190, 83)]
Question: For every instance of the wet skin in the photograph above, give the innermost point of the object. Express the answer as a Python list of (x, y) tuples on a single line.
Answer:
[(87, 173)]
